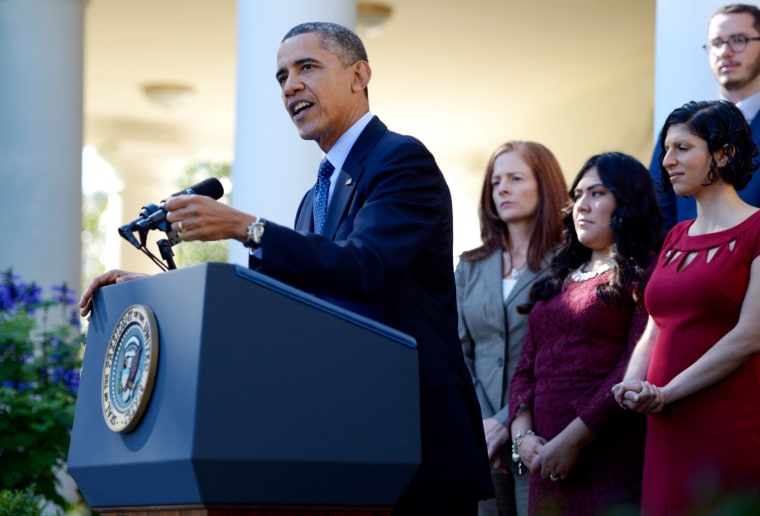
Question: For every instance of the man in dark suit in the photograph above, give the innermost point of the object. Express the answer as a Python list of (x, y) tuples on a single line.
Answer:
[(384, 250), (734, 51)]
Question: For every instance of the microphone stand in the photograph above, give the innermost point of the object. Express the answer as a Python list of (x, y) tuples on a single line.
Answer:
[(166, 253), (164, 245)]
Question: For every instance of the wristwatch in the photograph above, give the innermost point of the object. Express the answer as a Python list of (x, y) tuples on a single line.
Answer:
[(255, 232)]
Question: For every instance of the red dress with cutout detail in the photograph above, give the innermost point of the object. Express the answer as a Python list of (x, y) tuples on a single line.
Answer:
[(706, 446)]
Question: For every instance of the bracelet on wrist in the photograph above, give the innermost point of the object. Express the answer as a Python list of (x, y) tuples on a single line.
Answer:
[(517, 441)]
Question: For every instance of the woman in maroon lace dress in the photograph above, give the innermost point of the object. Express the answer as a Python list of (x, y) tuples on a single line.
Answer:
[(699, 353), (584, 452)]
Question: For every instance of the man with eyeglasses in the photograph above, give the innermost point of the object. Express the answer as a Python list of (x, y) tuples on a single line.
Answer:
[(733, 48)]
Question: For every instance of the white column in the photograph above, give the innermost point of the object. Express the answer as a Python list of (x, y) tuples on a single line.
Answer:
[(41, 63), (273, 167), (682, 69)]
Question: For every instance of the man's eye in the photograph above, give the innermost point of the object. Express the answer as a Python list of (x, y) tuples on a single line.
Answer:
[(738, 38)]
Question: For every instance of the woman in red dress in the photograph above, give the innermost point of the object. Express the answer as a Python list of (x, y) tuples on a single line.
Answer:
[(585, 453), (696, 369)]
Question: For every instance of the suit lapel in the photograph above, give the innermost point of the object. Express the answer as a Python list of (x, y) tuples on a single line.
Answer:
[(305, 215), (526, 280), (350, 176), (494, 295)]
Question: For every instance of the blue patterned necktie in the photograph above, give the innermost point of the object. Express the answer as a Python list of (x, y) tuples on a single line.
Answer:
[(321, 192)]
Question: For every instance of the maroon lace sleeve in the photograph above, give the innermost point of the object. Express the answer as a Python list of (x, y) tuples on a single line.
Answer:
[(523, 384)]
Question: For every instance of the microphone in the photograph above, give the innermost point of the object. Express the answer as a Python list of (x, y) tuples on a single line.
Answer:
[(154, 217), (210, 187)]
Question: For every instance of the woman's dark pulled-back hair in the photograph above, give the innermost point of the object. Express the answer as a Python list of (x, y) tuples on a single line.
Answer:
[(636, 224), (723, 126)]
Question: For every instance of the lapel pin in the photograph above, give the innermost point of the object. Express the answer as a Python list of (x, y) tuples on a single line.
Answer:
[(349, 181)]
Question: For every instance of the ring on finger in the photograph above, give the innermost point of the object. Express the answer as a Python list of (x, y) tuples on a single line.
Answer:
[(179, 226), (553, 477)]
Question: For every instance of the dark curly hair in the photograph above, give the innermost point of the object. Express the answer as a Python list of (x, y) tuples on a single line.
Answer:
[(636, 224), (723, 127)]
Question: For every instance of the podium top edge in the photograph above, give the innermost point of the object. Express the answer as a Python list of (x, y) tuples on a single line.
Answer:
[(312, 300)]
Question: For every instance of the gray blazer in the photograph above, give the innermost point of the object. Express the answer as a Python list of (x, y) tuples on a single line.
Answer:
[(491, 331)]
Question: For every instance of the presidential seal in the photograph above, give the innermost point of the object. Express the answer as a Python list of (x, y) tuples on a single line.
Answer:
[(130, 368)]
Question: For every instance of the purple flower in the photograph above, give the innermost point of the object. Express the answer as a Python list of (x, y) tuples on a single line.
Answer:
[(55, 341), (31, 296), (9, 384), (74, 319), (22, 386), (71, 379), (40, 360), (15, 294), (56, 374), (63, 294), (6, 298)]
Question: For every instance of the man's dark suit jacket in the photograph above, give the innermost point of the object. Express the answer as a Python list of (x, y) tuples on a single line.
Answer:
[(387, 254), (676, 209)]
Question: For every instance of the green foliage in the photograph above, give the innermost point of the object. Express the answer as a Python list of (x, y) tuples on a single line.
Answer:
[(20, 503), (40, 363), (192, 253), (93, 235)]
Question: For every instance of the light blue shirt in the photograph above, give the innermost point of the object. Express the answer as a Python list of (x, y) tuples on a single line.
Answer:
[(749, 106), (339, 152)]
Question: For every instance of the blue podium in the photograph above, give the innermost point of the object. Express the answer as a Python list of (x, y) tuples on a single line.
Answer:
[(263, 397)]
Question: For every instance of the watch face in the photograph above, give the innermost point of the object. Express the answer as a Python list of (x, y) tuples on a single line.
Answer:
[(255, 232)]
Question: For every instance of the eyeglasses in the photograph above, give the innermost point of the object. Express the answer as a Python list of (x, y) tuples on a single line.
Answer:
[(736, 42)]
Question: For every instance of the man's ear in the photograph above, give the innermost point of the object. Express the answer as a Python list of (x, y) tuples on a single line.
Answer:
[(362, 75)]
